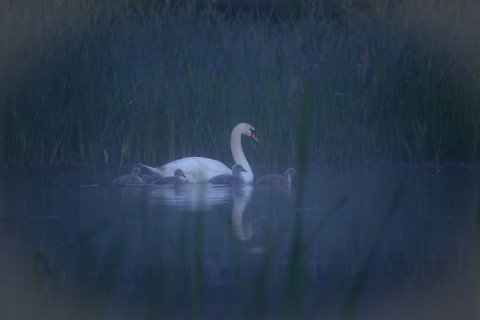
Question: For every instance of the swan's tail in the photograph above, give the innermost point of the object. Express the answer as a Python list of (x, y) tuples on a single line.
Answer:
[(155, 171)]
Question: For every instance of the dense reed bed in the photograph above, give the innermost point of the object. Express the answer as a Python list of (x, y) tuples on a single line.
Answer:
[(86, 83)]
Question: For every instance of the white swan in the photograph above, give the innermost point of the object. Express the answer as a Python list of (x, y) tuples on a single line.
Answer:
[(199, 169)]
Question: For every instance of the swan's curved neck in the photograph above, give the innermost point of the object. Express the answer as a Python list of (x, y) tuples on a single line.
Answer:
[(238, 155)]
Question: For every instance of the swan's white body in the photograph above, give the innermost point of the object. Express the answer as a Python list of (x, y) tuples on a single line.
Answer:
[(199, 169)]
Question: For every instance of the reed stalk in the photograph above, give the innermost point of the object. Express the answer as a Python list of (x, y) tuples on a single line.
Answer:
[(121, 83)]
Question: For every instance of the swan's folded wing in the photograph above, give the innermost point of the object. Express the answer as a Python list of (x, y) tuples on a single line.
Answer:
[(196, 169), (158, 172)]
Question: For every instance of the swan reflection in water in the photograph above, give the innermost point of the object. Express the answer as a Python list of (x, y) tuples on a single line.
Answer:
[(242, 229), (204, 197)]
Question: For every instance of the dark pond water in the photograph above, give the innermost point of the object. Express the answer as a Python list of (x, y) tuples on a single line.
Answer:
[(357, 242)]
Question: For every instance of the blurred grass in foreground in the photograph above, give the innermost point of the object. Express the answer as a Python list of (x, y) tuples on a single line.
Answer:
[(88, 83)]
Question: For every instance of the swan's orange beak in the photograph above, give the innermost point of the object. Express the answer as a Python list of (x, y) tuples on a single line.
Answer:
[(253, 135)]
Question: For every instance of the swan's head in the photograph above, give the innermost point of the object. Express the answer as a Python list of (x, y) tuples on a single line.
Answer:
[(290, 175), (291, 172), (253, 135), (247, 130), (136, 171)]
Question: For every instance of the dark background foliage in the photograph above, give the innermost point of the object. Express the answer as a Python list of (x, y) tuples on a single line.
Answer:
[(90, 82)]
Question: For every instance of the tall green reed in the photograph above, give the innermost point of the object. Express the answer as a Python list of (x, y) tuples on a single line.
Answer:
[(120, 84)]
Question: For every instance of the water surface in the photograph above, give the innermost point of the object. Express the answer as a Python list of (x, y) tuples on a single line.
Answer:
[(360, 242)]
